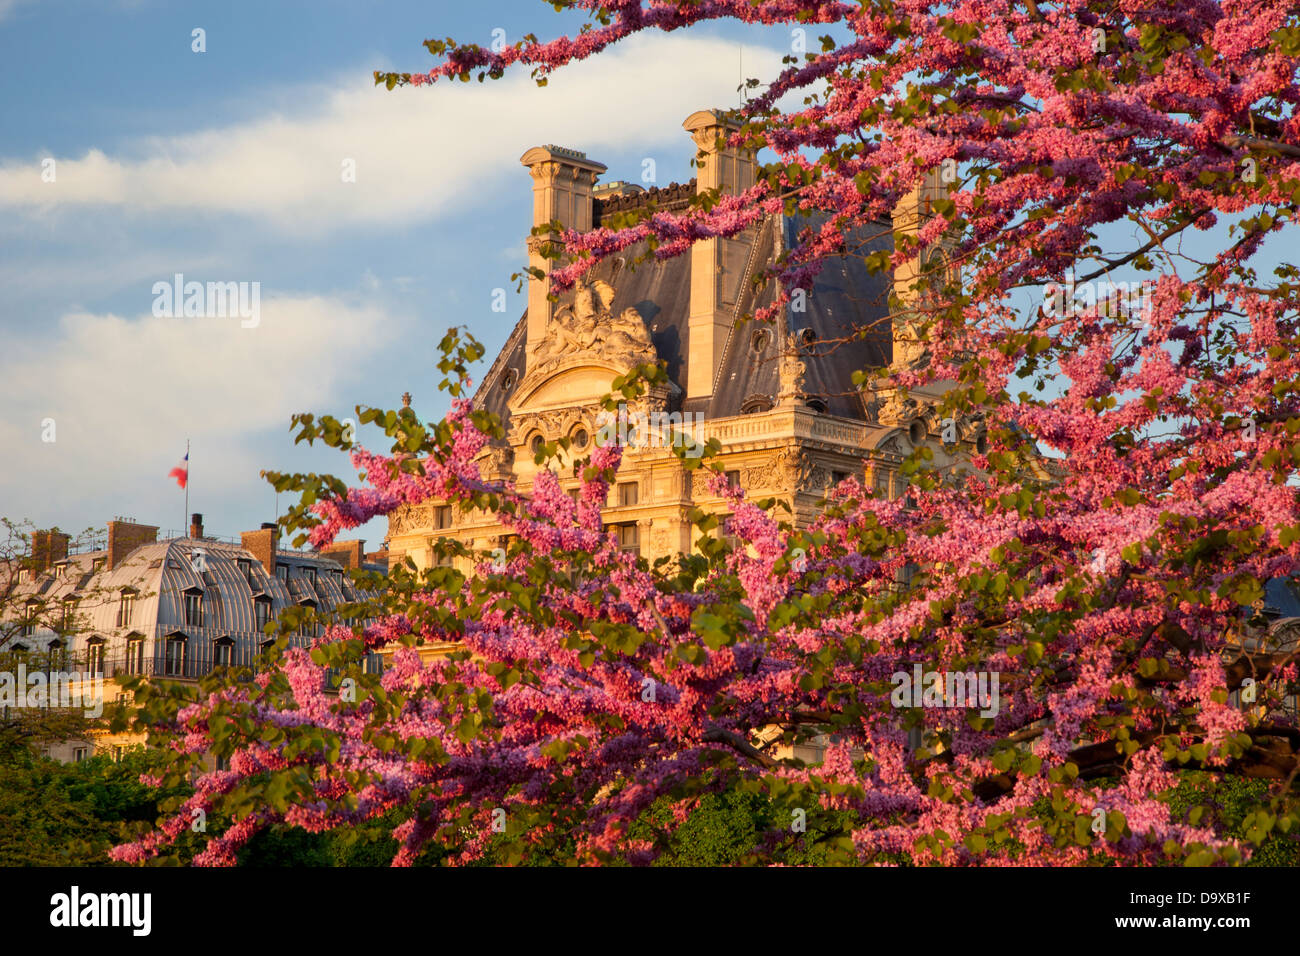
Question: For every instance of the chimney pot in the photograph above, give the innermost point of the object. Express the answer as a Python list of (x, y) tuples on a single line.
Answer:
[(196, 525)]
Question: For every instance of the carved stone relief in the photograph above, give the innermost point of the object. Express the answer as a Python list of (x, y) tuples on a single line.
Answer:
[(584, 327), (410, 518)]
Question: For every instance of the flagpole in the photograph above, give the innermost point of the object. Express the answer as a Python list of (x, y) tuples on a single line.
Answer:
[(186, 516)]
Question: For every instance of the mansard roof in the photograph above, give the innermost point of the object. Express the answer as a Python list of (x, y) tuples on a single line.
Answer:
[(160, 573), (844, 299)]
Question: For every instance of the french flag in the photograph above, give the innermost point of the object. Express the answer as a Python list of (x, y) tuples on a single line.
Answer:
[(182, 471)]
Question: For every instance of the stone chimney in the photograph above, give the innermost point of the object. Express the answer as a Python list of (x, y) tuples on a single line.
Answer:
[(124, 537), (910, 214), (48, 547), (196, 525), (563, 180), (261, 544), (350, 554), (731, 171)]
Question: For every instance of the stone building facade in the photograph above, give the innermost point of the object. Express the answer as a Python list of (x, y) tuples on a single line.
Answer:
[(174, 609), (779, 397)]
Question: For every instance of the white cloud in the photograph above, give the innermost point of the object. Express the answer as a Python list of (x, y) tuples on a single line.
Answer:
[(418, 152), (8, 6), (120, 390)]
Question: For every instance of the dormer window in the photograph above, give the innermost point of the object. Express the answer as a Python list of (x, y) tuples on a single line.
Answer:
[(282, 572), (95, 655), (261, 612), (69, 610), (174, 655), (308, 626), (194, 608), (24, 576), (223, 652), (246, 571), (135, 653), (125, 608), (61, 570), (31, 610)]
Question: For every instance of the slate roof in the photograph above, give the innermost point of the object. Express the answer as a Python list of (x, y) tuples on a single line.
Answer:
[(160, 573), (844, 297)]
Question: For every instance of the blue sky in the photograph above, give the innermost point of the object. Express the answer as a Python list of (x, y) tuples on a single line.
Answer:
[(226, 166)]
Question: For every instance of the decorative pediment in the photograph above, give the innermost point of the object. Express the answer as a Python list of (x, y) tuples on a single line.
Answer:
[(586, 340)]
